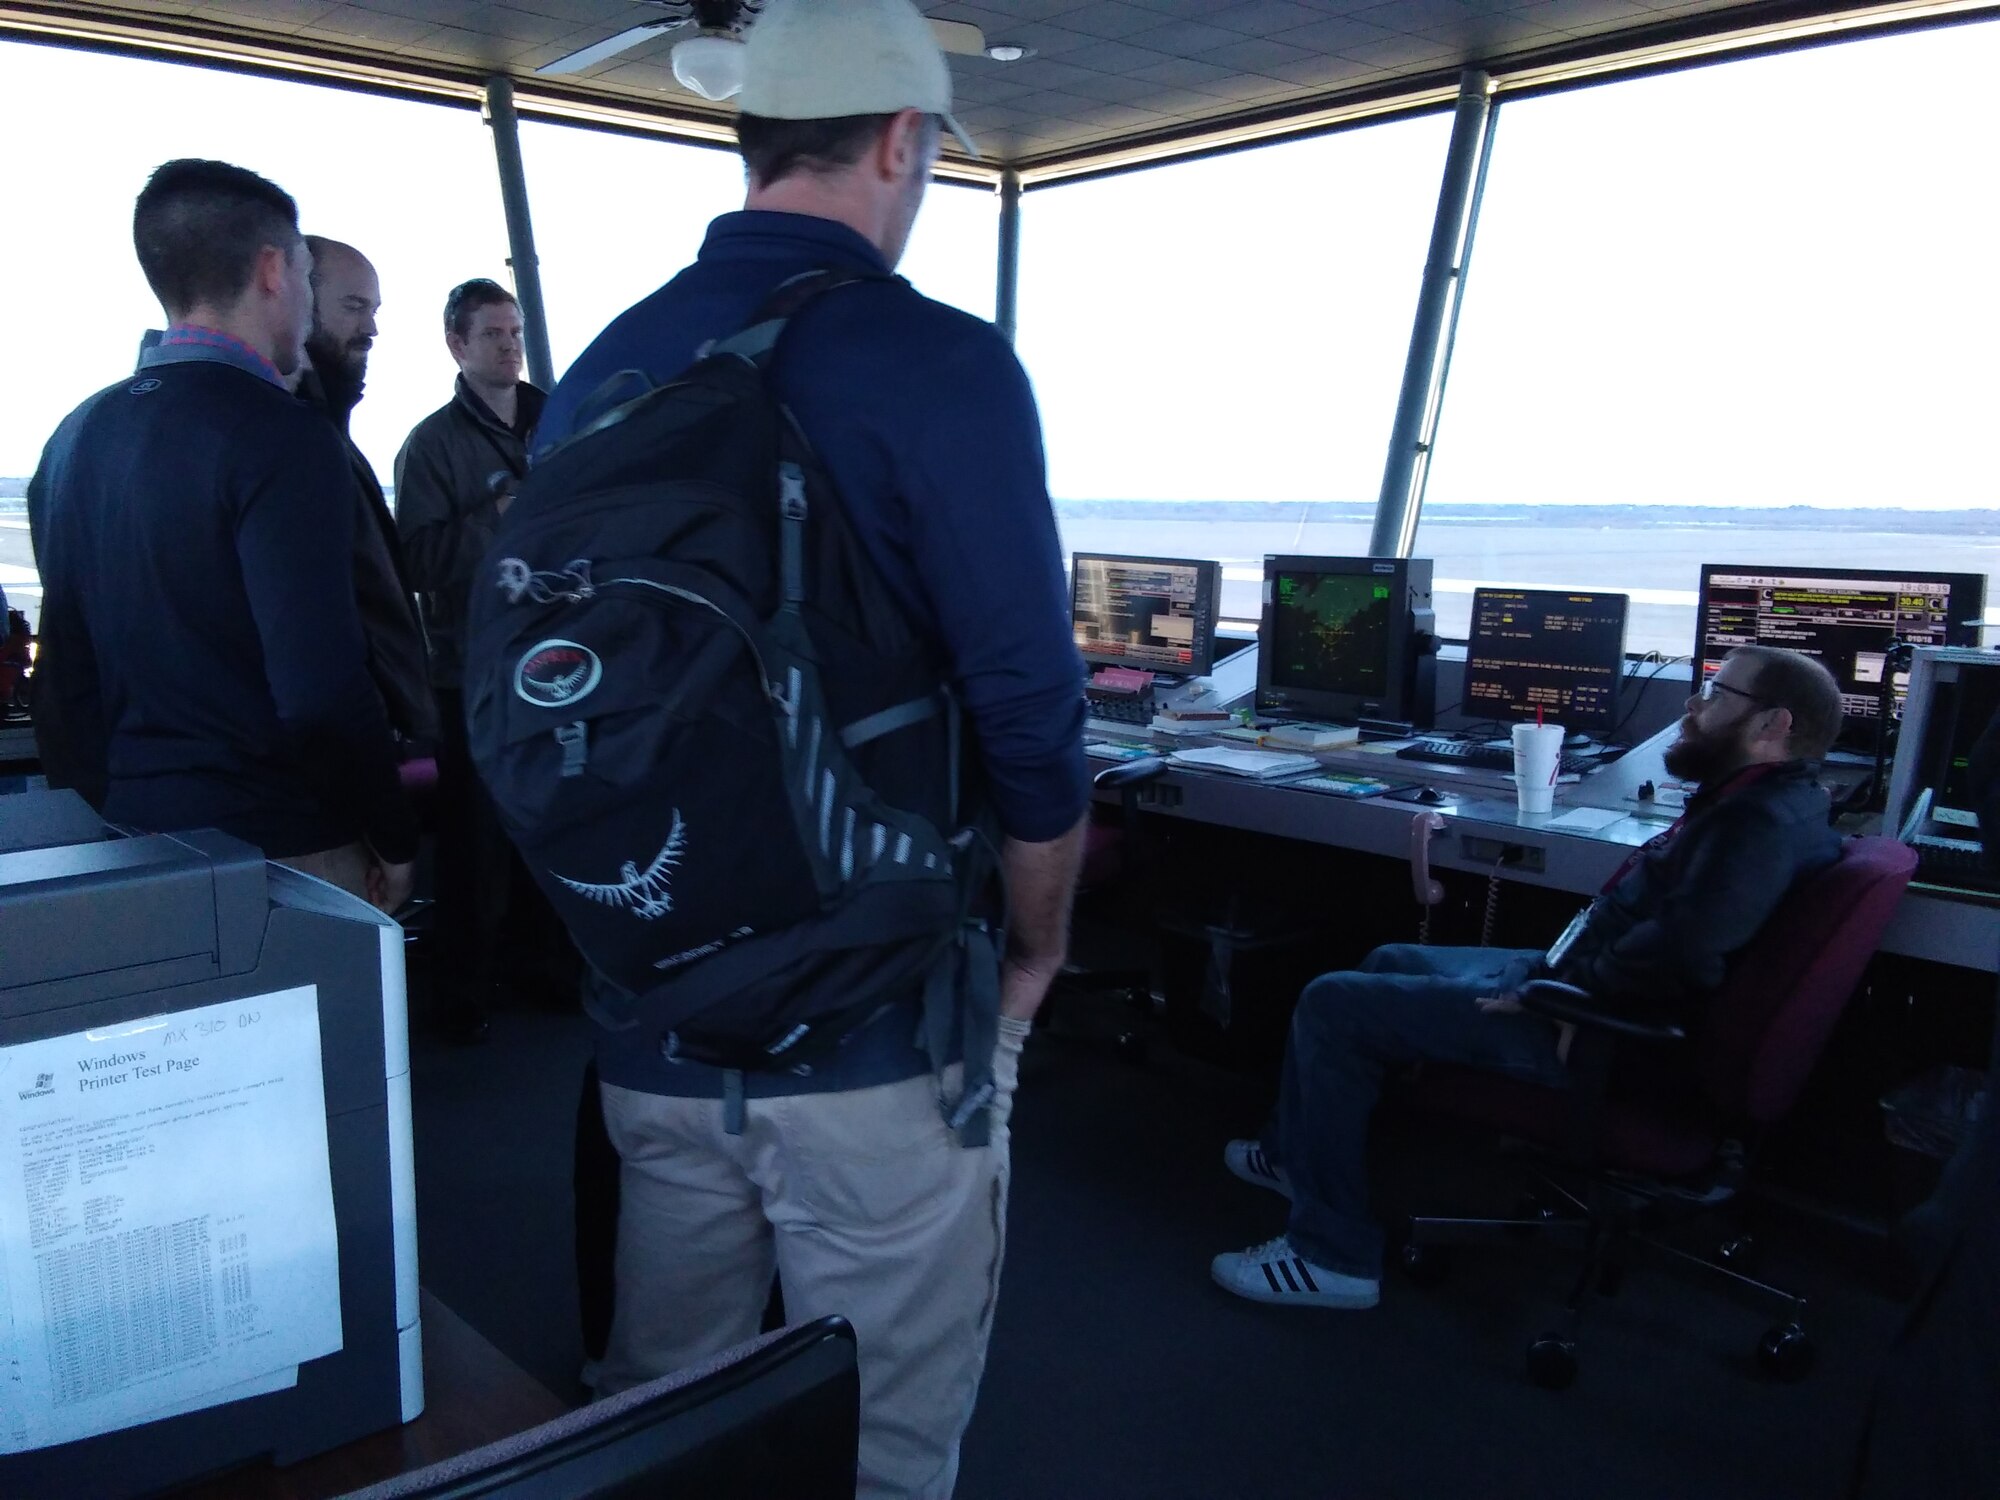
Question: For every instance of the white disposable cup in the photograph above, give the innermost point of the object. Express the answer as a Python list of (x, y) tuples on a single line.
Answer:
[(1537, 760)]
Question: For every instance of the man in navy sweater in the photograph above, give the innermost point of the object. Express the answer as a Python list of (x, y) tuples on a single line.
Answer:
[(846, 1178), (203, 664)]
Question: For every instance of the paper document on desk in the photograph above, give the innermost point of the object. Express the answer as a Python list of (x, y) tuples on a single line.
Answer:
[(1586, 819), (1260, 764), (167, 1237)]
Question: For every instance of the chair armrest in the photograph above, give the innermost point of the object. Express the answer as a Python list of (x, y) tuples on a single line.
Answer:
[(1130, 772), (1565, 1002)]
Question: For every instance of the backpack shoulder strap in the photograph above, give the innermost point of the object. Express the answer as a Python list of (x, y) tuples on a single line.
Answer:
[(758, 339)]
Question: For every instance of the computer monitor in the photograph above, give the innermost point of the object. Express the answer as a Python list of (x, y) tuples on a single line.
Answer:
[(1558, 651), (1154, 613), (1347, 638), (1954, 695), (779, 1417), (1847, 617)]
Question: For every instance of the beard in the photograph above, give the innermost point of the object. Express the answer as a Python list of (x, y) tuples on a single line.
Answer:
[(342, 368), (1701, 757)]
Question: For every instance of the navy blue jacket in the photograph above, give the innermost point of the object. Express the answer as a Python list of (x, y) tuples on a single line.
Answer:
[(195, 530), (924, 418), (925, 421)]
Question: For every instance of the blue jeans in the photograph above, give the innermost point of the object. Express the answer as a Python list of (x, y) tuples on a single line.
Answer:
[(1404, 1004)]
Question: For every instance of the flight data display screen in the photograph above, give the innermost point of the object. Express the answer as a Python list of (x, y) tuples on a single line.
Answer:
[(1847, 618), (1154, 613), (1554, 650), (1330, 633)]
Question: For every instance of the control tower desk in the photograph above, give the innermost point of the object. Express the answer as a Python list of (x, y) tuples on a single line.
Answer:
[(1596, 824)]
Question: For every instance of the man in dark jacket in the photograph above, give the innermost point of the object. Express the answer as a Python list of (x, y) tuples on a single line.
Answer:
[(1661, 936), (201, 646), (460, 466), (346, 296), (455, 478)]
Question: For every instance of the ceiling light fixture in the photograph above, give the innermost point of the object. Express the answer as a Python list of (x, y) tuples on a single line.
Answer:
[(1006, 53), (709, 65)]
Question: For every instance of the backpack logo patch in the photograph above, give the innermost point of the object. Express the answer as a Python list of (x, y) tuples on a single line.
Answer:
[(648, 893), (555, 674)]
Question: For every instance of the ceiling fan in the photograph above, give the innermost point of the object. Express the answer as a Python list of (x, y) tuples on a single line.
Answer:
[(708, 58)]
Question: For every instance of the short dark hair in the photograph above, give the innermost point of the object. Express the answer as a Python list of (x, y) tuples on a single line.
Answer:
[(468, 297), (1798, 683), (199, 227), (775, 149)]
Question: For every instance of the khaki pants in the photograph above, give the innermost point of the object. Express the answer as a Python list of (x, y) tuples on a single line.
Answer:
[(346, 867), (864, 1204)]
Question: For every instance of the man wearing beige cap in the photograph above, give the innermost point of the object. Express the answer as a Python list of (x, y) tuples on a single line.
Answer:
[(846, 1180)]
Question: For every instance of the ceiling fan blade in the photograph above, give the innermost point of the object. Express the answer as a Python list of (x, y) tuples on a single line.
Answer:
[(961, 37), (611, 46)]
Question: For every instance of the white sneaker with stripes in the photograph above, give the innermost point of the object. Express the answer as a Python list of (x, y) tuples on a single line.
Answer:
[(1278, 1274), (1248, 1160)]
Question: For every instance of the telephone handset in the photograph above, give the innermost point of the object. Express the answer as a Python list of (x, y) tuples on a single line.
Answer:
[(1429, 892)]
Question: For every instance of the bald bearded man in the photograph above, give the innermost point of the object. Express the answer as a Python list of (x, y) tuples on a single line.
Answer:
[(346, 296)]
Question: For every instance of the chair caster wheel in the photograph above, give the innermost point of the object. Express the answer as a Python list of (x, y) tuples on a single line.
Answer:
[(1531, 1213), (1739, 1254), (1426, 1265), (1786, 1352), (1552, 1362)]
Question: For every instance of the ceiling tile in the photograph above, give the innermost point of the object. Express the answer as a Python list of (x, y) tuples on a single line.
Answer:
[(1322, 72), (1050, 72), (1183, 72), (1404, 51), (1113, 57), (1421, 15), (1048, 40), (1185, 38), (1111, 20), (1114, 89), (1255, 55), (1263, 17), (371, 29), (267, 15), (1334, 34)]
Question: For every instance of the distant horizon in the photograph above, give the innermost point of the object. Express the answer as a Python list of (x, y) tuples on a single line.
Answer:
[(1919, 519)]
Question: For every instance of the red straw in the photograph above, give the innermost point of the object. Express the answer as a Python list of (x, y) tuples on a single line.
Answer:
[(1538, 716)]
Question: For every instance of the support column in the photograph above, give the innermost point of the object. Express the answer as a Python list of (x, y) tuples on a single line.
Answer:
[(499, 114), (1403, 476), (1006, 301)]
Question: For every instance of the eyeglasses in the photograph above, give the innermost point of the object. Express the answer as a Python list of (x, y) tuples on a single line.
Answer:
[(1714, 685)]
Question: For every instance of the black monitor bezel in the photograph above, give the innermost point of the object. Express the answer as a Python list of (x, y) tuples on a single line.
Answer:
[(1341, 707), (1960, 630), (1570, 721), (1209, 582)]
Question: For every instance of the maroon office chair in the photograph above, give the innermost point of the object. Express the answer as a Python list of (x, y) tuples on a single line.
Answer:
[(1654, 1119)]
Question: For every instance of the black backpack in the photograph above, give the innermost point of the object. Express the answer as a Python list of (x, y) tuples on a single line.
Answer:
[(723, 752)]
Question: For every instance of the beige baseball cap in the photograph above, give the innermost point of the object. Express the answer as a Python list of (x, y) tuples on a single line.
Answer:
[(827, 59)]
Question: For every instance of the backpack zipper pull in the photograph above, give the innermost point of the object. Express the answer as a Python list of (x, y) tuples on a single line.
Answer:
[(575, 742), (792, 533)]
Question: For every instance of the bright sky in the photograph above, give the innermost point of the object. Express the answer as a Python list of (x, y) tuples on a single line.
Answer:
[(1760, 283)]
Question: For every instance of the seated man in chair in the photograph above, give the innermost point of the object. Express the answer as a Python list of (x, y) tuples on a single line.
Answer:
[(1662, 935)]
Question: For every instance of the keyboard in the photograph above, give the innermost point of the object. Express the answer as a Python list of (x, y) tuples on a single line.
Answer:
[(1474, 755), (1120, 708), (1956, 863)]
